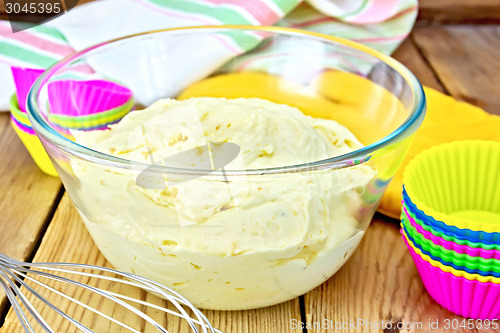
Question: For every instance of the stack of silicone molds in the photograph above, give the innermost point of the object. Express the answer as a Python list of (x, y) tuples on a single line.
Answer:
[(73, 105), (450, 222)]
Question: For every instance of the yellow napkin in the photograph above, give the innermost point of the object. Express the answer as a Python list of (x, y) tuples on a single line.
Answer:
[(446, 120), (371, 116)]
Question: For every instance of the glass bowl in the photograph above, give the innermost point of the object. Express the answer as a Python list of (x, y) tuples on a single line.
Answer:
[(224, 235)]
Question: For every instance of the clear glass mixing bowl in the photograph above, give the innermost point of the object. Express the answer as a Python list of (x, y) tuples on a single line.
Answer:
[(228, 237)]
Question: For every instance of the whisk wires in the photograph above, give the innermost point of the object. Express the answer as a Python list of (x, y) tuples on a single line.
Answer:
[(25, 285)]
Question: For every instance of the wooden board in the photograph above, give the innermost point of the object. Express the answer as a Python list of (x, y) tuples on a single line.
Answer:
[(67, 240), (27, 197), (466, 62), (380, 282), (459, 11), (408, 55)]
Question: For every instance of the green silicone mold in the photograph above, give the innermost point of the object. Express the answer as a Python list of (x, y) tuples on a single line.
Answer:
[(485, 265)]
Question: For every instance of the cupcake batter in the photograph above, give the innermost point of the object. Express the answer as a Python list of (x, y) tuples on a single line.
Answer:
[(253, 241)]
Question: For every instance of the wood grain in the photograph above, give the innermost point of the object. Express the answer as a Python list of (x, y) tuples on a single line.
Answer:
[(379, 283), (67, 240), (27, 197), (408, 54), (465, 58), (459, 11)]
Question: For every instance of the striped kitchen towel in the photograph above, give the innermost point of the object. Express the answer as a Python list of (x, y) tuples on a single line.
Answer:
[(388, 27), (381, 24)]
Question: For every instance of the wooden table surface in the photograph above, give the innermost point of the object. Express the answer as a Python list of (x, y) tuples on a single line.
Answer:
[(379, 283)]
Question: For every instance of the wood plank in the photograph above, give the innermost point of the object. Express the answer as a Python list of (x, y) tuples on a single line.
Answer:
[(467, 63), (67, 240), (379, 283), (27, 197), (459, 11), (408, 54)]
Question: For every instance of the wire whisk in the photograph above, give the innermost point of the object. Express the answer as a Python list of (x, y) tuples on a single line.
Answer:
[(31, 285)]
